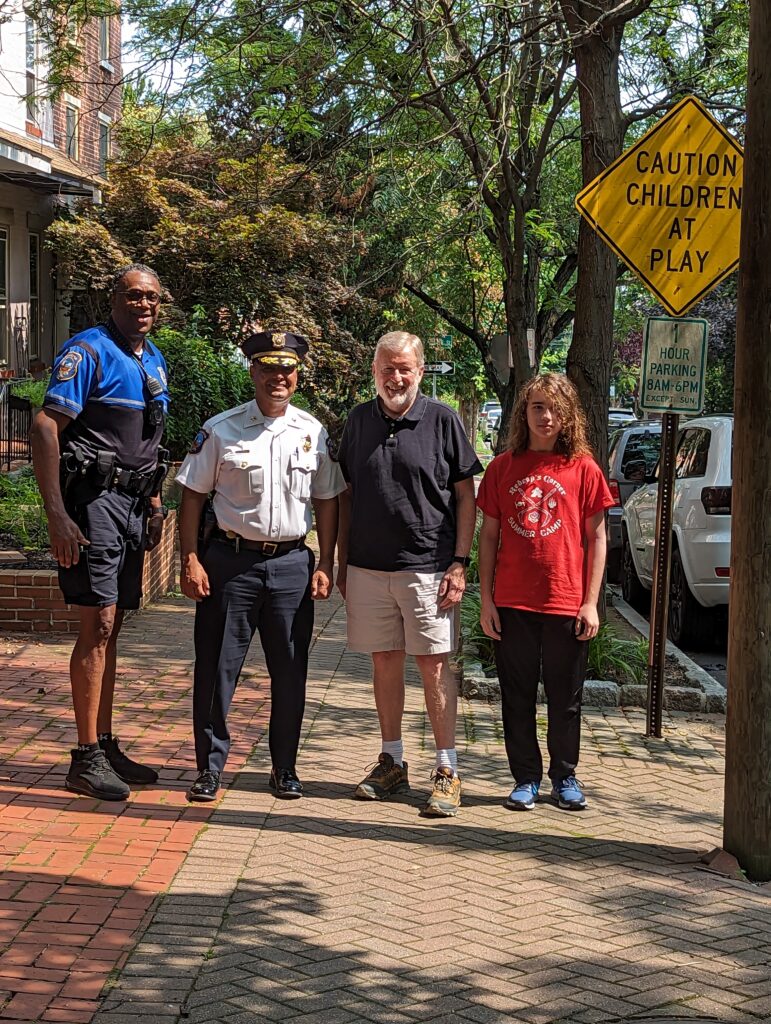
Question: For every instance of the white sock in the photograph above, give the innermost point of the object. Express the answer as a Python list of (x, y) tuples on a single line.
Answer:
[(447, 759), (396, 749)]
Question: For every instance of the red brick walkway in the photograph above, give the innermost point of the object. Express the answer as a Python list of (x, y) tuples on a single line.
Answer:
[(79, 876)]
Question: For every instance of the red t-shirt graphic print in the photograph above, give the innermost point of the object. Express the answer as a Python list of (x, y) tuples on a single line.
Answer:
[(542, 501)]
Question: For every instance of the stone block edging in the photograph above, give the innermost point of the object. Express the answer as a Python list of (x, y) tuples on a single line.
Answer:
[(31, 602), (704, 694)]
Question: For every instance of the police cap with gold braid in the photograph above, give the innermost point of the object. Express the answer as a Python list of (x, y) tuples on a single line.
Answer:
[(275, 348)]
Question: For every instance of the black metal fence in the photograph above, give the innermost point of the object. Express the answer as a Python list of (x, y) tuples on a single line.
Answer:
[(15, 422)]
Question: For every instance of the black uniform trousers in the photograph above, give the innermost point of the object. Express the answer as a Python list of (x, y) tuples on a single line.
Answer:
[(536, 646), (250, 591)]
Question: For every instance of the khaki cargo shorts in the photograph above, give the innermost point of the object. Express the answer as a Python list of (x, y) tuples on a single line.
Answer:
[(397, 611)]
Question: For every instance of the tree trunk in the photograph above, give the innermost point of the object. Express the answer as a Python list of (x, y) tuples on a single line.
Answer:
[(747, 830), (602, 136)]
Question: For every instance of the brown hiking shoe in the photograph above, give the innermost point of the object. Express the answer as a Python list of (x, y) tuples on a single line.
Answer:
[(386, 779), (445, 796)]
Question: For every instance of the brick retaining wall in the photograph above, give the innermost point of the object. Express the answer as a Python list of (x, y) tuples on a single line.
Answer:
[(31, 602)]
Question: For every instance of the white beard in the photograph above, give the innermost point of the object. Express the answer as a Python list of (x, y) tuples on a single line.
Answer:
[(398, 404)]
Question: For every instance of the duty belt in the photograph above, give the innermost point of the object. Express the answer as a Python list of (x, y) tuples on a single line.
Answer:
[(266, 547), (140, 485)]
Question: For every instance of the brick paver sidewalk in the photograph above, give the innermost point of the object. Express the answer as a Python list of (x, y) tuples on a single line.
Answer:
[(328, 910), (78, 876)]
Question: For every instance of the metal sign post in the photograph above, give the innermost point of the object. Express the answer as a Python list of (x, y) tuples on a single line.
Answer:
[(672, 381), (442, 369), (670, 208), (657, 648)]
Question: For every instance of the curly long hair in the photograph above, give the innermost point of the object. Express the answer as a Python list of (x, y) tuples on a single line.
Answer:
[(572, 440)]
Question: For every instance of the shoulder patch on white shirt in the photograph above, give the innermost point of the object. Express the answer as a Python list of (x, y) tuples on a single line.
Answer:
[(199, 441)]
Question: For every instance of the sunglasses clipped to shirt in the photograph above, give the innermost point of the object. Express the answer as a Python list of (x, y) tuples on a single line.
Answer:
[(136, 295)]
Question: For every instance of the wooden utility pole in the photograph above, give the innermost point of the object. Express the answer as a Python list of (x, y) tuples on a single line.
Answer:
[(747, 828)]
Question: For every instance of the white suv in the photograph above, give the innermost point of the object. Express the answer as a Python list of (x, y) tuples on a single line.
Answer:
[(701, 527)]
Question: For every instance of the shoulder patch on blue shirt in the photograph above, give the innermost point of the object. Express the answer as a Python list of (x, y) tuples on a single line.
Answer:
[(68, 367)]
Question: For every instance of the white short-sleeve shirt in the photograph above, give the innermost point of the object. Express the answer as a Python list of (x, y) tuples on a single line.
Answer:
[(264, 472)]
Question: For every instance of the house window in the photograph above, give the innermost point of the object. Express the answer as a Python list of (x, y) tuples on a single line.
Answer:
[(4, 296), (105, 141), (104, 40), (31, 99), (71, 118), (31, 61), (33, 320)]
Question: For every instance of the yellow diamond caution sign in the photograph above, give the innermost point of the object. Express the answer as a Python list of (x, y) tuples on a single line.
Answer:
[(670, 206)]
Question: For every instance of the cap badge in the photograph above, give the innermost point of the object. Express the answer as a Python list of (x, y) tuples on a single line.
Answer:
[(278, 340)]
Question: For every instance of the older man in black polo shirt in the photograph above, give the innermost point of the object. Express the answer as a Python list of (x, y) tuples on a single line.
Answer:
[(407, 524)]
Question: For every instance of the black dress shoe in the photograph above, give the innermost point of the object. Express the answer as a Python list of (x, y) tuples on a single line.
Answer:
[(285, 784), (205, 787)]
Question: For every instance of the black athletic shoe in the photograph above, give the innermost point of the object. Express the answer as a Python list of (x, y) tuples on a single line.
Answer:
[(124, 767), (205, 787), (92, 775), (285, 784)]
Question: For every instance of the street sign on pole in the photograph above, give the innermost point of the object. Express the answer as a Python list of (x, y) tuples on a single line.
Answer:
[(446, 341), (674, 365), (670, 206), (443, 369)]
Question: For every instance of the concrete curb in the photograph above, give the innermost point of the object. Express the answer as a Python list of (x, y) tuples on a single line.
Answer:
[(704, 693), (714, 692)]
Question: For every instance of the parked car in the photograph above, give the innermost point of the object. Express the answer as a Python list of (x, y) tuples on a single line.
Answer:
[(701, 527), (489, 409), (632, 456), (493, 426), (620, 418)]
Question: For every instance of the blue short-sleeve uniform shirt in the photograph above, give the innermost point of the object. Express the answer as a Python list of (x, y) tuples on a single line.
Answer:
[(100, 385)]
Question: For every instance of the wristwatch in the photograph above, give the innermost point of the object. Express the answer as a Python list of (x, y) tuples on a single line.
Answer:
[(159, 510), (463, 560)]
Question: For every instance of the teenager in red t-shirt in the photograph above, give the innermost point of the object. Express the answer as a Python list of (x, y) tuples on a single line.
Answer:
[(541, 559)]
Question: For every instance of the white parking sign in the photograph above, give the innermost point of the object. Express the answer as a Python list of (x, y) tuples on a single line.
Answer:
[(673, 365)]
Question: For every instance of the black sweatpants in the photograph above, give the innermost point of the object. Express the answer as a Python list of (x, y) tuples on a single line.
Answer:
[(250, 592), (535, 646)]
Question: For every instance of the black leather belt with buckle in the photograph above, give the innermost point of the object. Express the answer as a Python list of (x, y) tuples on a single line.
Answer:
[(269, 548)]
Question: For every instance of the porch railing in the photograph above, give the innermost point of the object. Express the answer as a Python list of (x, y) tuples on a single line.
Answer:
[(15, 423)]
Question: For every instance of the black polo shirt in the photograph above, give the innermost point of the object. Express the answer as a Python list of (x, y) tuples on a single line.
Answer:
[(402, 474)]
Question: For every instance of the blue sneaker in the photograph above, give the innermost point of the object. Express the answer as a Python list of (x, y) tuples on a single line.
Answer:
[(523, 797), (567, 793)]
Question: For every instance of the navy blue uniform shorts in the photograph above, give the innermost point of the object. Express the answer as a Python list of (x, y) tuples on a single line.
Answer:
[(109, 570)]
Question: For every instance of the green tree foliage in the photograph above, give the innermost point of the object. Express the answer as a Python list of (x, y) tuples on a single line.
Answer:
[(201, 384), (238, 240), (448, 133)]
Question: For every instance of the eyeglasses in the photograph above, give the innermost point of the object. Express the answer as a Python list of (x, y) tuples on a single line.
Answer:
[(137, 295), (391, 371)]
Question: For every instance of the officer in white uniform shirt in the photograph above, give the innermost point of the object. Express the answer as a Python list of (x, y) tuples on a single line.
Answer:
[(268, 465)]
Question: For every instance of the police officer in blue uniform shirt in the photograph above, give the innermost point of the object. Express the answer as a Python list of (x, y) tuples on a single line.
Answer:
[(95, 448), (267, 464)]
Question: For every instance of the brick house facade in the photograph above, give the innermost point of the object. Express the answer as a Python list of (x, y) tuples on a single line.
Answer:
[(52, 154)]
